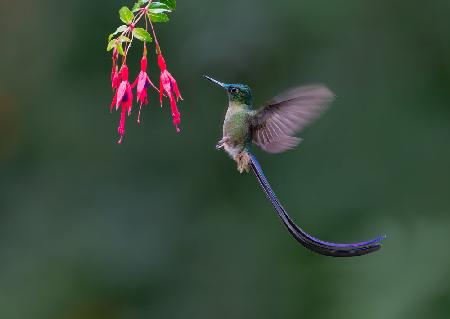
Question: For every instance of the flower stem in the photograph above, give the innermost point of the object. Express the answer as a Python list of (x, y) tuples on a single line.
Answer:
[(143, 12), (158, 48)]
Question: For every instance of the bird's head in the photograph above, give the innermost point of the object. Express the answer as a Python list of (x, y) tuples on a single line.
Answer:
[(238, 93)]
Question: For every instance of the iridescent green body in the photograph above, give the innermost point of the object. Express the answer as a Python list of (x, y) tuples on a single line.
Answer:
[(236, 128)]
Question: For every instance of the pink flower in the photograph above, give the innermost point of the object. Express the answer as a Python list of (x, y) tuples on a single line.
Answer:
[(123, 97), (168, 85), (142, 82), (115, 78)]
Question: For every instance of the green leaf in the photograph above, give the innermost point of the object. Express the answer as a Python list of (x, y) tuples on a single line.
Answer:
[(156, 11), (158, 17), (123, 38), (126, 15), (111, 45), (117, 43), (171, 4), (138, 5), (119, 30), (159, 5), (120, 49), (142, 35)]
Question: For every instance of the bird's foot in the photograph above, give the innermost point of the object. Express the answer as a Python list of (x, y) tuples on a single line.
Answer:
[(243, 162), (221, 143)]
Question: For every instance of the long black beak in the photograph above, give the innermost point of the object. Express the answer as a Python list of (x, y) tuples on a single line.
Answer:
[(222, 85)]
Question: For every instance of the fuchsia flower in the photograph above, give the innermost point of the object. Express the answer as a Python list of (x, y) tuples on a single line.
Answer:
[(115, 78), (142, 82), (124, 97), (168, 85), (137, 25)]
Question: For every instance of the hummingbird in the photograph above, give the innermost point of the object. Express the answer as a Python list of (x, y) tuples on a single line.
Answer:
[(273, 128)]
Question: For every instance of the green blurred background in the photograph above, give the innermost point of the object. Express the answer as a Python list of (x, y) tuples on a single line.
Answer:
[(164, 226)]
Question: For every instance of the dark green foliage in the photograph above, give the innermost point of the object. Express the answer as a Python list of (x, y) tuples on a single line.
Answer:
[(142, 35), (172, 4), (158, 17), (126, 15)]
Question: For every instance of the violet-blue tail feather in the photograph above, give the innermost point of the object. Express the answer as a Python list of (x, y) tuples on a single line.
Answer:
[(308, 241)]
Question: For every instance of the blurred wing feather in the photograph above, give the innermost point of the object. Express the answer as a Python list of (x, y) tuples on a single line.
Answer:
[(275, 124)]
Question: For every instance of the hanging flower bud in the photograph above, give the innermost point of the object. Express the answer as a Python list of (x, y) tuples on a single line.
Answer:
[(123, 97), (168, 85), (142, 82), (115, 78)]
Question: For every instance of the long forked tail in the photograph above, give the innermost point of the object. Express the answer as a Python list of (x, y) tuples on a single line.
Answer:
[(308, 241)]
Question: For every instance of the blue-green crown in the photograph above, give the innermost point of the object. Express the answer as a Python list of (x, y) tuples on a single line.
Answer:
[(239, 93)]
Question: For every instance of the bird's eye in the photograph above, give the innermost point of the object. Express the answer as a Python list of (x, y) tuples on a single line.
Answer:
[(234, 90)]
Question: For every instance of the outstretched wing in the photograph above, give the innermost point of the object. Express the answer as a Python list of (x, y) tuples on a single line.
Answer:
[(275, 124)]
